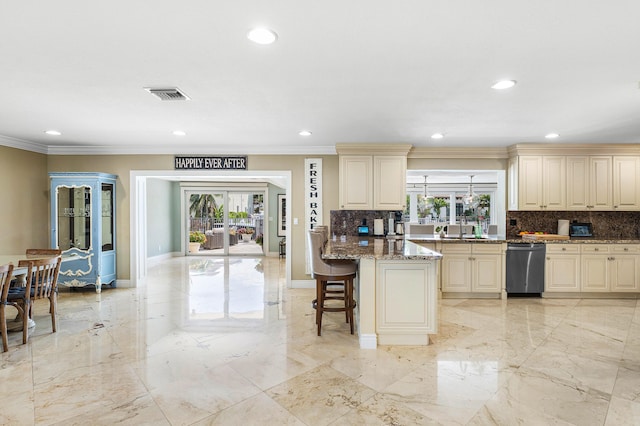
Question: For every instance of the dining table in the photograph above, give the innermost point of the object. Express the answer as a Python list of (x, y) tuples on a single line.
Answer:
[(20, 273)]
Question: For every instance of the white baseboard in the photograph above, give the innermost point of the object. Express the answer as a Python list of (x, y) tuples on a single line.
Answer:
[(154, 260), (303, 283), (368, 341), (124, 284)]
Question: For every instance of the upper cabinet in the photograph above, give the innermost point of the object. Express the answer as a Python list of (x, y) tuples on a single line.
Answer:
[(574, 182), (589, 183), (626, 183), (373, 176), (541, 185)]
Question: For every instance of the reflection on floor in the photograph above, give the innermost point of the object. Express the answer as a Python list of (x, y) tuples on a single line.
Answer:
[(242, 248), (221, 341)]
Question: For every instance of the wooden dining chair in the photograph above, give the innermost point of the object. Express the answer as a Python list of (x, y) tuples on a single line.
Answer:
[(43, 252), (6, 271), (42, 282)]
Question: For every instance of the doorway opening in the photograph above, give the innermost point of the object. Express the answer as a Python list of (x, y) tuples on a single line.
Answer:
[(139, 213), (225, 222)]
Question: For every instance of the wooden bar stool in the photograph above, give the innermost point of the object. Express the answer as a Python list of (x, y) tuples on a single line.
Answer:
[(328, 276)]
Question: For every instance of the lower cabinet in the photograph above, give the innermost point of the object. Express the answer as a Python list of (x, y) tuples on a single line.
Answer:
[(562, 268), (406, 302), (592, 268), (468, 267)]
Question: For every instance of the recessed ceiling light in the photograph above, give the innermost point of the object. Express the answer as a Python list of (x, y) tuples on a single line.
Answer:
[(552, 136), (179, 133), (262, 35), (53, 132), (437, 136), (304, 133), (504, 84)]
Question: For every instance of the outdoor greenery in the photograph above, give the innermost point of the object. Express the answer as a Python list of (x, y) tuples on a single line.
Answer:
[(197, 237)]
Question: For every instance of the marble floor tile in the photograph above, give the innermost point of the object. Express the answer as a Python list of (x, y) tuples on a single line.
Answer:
[(320, 396), (222, 341)]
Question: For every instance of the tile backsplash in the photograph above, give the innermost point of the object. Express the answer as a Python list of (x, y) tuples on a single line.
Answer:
[(614, 225), (349, 220)]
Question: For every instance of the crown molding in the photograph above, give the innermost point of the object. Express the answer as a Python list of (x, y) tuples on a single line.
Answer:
[(573, 149), (190, 150), (486, 152), (23, 144), (373, 148)]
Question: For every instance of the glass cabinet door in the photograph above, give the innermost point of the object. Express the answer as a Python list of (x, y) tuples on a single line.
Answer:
[(107, 217), (74, 217)]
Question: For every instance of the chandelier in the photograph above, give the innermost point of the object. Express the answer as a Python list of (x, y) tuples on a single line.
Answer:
[(471, 199)]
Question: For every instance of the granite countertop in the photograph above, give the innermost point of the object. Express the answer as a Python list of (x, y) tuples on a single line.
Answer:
[(377, 248), (502, 239)]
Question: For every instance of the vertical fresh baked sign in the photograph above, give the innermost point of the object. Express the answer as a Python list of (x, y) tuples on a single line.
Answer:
[(312, 198)]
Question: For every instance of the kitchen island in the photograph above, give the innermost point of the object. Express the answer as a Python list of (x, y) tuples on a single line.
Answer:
[(396, 289)]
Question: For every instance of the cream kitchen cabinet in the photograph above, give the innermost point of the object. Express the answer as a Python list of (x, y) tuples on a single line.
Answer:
[(595, 268), (356, 182), (624, 268), (389, 182), (542, 182), (589, 183), (626, 183), (599, 268), (406, 302), (562, 268), (372, 176), (610, 268), (472, 268)]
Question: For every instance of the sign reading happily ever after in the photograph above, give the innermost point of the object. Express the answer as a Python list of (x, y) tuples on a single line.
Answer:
[(211, 163)]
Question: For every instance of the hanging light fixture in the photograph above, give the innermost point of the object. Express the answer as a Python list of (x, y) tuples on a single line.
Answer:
[(471, 199), (428, 198)]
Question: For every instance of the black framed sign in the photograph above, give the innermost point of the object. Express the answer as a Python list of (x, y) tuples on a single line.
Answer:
[(210, 163)]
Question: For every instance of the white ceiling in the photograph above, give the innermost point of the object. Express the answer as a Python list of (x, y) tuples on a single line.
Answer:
[(349, 71)]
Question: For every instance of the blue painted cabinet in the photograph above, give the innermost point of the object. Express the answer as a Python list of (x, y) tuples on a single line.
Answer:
[(83, 225)]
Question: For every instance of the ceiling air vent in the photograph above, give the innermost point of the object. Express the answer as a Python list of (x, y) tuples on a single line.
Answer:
[(170, 94)]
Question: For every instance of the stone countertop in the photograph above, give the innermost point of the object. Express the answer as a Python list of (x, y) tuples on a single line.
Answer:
[(378, 248), (423, 238), (501, 239), (595, 240)]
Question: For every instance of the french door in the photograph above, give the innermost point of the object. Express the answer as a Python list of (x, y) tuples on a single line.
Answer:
[(225, 222)]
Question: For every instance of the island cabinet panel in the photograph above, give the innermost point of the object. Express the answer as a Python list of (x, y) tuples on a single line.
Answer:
[(406, 302)]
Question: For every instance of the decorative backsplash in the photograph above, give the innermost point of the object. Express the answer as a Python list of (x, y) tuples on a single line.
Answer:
[(347, 221), (614, 225)]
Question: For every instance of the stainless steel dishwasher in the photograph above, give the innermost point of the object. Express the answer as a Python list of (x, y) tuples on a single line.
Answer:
[(525, 268)]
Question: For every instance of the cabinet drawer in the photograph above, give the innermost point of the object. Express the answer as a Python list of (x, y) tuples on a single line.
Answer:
[(483, 248), (456, 248), (563, 248), (595, 248), (624, 248)]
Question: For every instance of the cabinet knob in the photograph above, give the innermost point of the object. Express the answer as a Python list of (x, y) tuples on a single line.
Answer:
[(548, 258), (615, 207), (564, 249), (596, 249), (626, 249)]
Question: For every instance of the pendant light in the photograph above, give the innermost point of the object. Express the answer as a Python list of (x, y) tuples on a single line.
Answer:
[(471, 199), (428, 198)]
